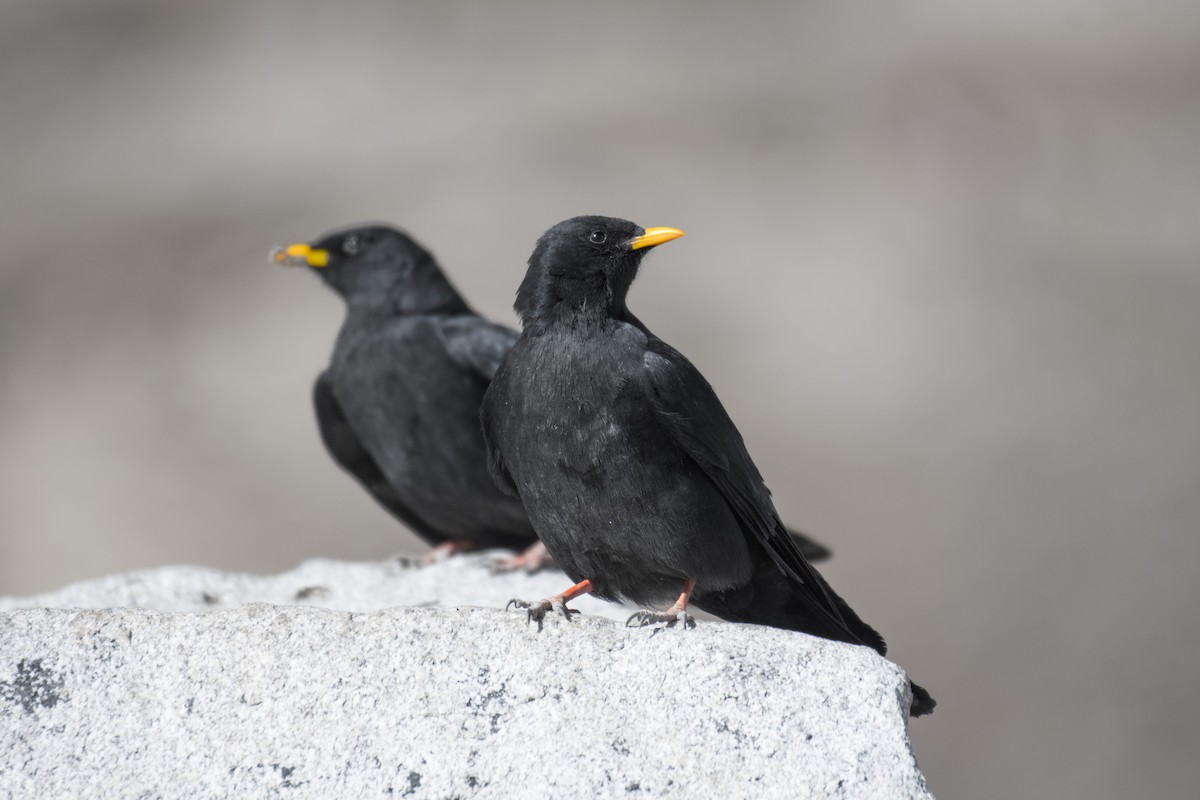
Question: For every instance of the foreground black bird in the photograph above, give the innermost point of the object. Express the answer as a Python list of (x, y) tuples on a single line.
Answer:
[(398, 407), (632, 472)]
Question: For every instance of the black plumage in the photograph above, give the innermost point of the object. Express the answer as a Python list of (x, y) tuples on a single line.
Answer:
[(398, 405), (635, 477)]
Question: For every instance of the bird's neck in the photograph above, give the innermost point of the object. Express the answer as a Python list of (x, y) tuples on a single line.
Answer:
[(578, 316), (370, 292), (389, 300), (566, 304)]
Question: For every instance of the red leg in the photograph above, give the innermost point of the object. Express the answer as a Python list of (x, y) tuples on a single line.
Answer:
[(532, 560), (583, 587), (684, 596), (446, 549)]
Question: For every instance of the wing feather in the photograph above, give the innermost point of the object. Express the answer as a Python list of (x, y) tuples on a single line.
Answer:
[(348, 451), (690, 410)]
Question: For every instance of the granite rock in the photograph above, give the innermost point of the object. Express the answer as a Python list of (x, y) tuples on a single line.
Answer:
[(358, 680)]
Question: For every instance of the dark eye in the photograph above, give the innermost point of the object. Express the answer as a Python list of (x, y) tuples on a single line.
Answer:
[(350, 245), (597, 237)]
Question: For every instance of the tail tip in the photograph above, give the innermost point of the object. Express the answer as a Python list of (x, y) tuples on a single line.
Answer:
[(922, 702)]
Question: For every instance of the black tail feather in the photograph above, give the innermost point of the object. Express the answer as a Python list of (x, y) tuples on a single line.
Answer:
[(809, 547), (922, 702)]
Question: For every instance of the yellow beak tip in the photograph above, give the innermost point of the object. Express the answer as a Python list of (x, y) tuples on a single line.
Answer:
[(655, 236), (300, 254)]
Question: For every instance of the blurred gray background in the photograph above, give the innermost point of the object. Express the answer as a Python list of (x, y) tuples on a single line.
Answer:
[(942, 265)]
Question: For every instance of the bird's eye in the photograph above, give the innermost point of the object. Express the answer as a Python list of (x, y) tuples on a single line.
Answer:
[(597, 237), (350, 245)]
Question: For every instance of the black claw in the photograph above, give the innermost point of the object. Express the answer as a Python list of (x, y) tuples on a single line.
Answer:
[(516, 603), (539, 612)]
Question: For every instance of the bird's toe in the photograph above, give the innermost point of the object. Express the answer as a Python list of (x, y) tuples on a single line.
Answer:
[(536, 612)]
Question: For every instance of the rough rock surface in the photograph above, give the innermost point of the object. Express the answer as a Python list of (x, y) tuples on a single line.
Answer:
[(351, 700)]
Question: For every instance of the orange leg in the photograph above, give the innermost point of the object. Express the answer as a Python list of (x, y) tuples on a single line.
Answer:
[(537, 611), (676, 613), (446, 549), (583, 587), (532, 560)]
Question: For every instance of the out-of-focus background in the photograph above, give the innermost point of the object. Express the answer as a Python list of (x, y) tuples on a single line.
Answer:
[(942, 265)]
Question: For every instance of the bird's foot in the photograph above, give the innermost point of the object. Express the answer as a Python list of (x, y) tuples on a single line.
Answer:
[(534, 559), (671, 617), (445, 550), (536, 612)]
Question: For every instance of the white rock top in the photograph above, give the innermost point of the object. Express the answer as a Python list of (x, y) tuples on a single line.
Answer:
[(358, 680)]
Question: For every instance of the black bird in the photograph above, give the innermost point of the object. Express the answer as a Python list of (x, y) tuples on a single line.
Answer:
[(398, 407), (635, 477)]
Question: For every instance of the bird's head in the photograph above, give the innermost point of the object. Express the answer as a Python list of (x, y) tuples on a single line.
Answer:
[(584, 266), (375, 264)]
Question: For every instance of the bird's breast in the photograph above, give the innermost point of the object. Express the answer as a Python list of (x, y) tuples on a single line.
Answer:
[(578, 401)]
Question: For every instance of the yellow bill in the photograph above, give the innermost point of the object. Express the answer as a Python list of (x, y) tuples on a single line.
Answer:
[(654, 236), (300, 254)]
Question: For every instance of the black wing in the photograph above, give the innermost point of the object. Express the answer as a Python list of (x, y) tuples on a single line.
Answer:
[(477, 344), (691, 412), (495, 460), (347, 450)]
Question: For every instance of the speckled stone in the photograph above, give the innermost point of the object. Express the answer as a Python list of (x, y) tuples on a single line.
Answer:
[(355, 700)]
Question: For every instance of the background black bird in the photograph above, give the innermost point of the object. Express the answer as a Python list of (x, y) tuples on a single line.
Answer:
[(633, 474), (398, 407)]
